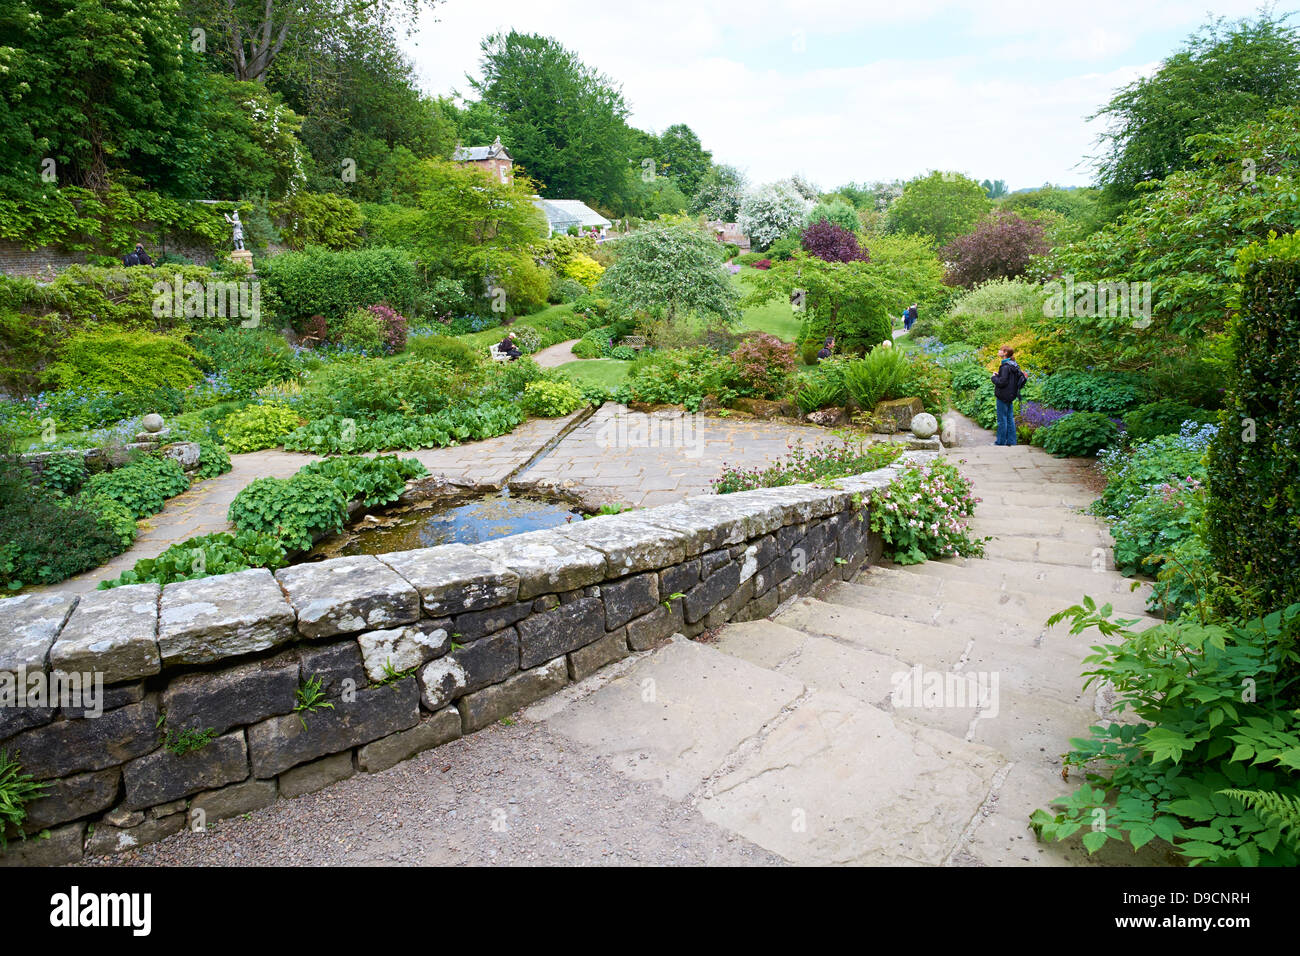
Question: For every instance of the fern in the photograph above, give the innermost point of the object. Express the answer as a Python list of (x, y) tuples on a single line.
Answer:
[(1276, 809)]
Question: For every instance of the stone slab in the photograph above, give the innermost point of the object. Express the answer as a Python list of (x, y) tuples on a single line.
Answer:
[(113, 633), (674, 716), (546, 561), (453, 578), (840, 782), (214, 618), (345, 595)]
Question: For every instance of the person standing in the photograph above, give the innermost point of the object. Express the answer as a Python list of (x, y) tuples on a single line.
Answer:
[(1007, 383)]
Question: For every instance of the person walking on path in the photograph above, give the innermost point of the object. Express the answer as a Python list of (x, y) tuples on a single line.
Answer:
[(1007, 383), (909, 318)]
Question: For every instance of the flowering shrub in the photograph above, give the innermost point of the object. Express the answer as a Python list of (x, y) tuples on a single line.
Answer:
[(392, 328), (923, 514), (801, 466), (1031, 416), (582, 268), (764, 366), (1155, 523)]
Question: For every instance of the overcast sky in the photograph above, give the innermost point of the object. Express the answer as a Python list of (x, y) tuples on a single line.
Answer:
[(850, 90)]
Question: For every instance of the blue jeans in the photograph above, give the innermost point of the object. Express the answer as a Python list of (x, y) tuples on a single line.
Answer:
[(1006, 423)]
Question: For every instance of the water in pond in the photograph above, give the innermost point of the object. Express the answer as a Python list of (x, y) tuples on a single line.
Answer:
[(466, 521)]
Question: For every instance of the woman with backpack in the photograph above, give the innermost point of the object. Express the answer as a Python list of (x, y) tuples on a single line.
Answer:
[(1007, 383)]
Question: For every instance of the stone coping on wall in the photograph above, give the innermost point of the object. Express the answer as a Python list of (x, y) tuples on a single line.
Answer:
[(433, 643)]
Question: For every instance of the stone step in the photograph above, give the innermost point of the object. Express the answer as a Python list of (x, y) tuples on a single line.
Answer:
[(1050, 551), (1049, 528), (1009, 624), (1003, 592), (1062, 583), (971, 705), (907, 641)]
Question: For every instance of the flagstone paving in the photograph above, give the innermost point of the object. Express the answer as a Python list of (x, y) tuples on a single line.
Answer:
[(642, 460), (779, 740)]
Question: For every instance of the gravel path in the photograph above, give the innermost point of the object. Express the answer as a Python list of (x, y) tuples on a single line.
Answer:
[(507, 795), (556, 355)]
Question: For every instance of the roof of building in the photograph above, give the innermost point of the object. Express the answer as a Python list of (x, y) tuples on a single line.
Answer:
[(471, 154), (563, 213)]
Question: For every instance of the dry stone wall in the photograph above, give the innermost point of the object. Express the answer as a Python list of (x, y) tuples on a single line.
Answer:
[(202, 714)]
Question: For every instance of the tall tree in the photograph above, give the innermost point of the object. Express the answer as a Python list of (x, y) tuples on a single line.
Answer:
[(720, 194), (682, 158), (252, 34), (565, 122), (1227, 74), (942, 206), (96, 85)]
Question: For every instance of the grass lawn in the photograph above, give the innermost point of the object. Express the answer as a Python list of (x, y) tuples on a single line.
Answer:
[(775, 317), (495, 334), (606, 371)]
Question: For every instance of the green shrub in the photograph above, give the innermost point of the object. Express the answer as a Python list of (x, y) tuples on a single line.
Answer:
[(880, 373), (1154, 524), (44, 536), (822, 388), (320, 282), (359, 329), (128, 362), (1192, 742), (443, 348), (372, 481), (213, 460), (360, 387), (1110, 393), (552, 399), (320, 219), (784, 248), (142, 486), (1080, 435), (1253, 526), (204, 556), (588, 348), (112, 514), (296, 511), (450, 426), (679, 377), (248, 359), (259, 426), (64, 473), (1163, 417)]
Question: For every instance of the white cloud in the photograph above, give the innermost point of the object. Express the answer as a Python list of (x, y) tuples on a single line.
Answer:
[(1010, 103)]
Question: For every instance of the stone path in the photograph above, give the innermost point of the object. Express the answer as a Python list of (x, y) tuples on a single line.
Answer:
[(775, 740), (642, 460), (202, 509), (655, 459), (556, 355)]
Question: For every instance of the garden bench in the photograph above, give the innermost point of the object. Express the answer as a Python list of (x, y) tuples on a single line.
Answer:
[(497, 354), (634, 342)]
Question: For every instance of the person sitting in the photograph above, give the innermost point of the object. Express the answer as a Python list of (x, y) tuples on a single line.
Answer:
[(142, 257), (508, 347), (827, 348)]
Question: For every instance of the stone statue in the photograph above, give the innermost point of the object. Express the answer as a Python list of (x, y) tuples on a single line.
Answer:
[(238, 228)]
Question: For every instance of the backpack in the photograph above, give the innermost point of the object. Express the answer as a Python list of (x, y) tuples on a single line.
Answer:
[(1020, 385)]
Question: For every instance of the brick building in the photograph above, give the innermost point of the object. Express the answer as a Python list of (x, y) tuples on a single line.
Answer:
[(494, 159)]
